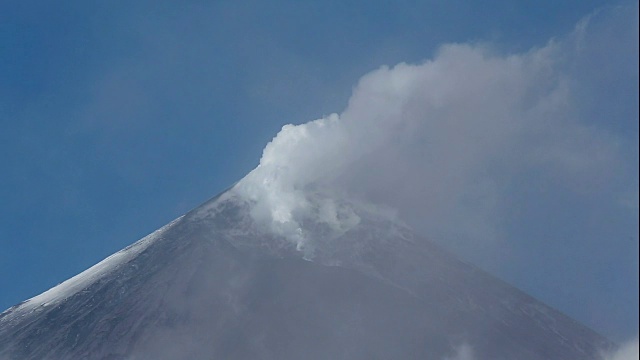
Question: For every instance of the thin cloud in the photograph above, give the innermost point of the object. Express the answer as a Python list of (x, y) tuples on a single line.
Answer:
[(628, 351), (463, 352)]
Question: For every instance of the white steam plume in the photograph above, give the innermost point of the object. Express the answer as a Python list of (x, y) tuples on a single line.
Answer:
[(437, 140)]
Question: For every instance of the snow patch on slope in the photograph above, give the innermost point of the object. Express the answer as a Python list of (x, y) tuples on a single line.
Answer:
[(83, 280)]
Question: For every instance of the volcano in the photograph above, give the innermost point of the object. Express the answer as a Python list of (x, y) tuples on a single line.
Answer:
[(213, 284)]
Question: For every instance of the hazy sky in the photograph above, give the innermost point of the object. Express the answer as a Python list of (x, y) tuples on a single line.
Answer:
[(117, 118)]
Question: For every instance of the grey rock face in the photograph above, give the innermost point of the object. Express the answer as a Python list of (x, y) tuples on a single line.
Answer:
[(211, 285)]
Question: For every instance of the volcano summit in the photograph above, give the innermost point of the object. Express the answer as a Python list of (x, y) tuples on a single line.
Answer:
[(213, 284), (336, 246)]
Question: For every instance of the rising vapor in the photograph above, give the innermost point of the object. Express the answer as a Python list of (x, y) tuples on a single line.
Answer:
[(443, 142)]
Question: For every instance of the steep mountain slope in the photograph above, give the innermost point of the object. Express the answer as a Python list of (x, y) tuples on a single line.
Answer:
[(213, 285)]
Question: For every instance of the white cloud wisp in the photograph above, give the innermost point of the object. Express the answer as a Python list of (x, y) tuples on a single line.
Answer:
[(628, 351)]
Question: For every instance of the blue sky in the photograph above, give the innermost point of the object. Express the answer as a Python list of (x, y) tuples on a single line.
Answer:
[(118, 117)]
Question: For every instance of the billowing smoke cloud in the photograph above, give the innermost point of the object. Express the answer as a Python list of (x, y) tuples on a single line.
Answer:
[(442, 141)]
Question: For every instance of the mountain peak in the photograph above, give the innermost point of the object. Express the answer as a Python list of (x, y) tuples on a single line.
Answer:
[(216, 283)]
